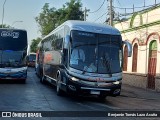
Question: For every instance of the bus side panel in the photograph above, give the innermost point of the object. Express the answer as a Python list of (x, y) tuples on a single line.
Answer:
[(52, 60)]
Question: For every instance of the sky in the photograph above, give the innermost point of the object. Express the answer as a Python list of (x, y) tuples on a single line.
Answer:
[(26, 11)]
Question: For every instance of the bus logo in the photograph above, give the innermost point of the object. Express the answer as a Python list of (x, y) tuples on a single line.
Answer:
[(10, 34), (6, 114)]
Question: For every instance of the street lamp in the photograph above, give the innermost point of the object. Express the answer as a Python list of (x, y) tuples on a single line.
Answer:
[(15, 22), (3, 12)]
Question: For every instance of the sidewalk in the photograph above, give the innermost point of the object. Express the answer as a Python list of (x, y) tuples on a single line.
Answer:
[(135, 92)]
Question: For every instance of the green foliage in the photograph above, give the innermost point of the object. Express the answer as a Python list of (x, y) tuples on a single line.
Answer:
[(50, 18), (5, 26), (34, 45)]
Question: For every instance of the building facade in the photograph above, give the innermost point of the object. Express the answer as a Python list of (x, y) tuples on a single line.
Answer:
[(142, 30)]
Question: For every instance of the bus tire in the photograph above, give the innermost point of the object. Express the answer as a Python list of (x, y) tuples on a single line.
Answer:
[(58, 84)]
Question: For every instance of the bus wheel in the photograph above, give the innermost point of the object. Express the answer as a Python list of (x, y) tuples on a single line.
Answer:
[(58, 84)]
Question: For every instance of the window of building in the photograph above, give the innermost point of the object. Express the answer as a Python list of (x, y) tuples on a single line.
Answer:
[(125, 59), (134, 58)]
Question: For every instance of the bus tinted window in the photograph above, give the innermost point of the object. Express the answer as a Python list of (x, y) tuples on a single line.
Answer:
[(32, 57), (13, 40), (101, 52)]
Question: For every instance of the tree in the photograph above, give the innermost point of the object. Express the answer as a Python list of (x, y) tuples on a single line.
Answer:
[(5, 26), (50, 18), (34, 44), (46, 19), (74, 10)]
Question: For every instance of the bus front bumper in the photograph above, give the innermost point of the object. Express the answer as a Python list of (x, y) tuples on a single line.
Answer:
[(13, 73), (109, 89)]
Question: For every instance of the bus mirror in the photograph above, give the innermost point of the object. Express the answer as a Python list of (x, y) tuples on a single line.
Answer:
[(66, 42), (129, 47)]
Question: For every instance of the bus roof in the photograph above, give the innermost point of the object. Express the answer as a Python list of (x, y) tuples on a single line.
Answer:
[(87, 27), (91, 27)]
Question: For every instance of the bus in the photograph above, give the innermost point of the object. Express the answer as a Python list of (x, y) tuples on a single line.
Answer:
[(13, 52), (83, 58), (31, 58)]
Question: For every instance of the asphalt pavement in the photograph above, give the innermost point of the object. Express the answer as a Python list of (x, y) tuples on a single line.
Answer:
[(34, 96)]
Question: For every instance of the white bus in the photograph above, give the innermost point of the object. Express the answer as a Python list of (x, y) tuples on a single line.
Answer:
[(13, 52), (83, 58)]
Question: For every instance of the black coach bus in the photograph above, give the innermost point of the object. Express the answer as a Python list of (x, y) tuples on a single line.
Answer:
[(13, 52), (84, 58)]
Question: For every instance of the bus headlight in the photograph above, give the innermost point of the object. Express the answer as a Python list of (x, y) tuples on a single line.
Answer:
[(74, 79), (24, 71), (117, 82)]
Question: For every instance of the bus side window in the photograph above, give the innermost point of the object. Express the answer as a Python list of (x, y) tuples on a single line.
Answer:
[(58, 44), (65, 57), (41, 48)]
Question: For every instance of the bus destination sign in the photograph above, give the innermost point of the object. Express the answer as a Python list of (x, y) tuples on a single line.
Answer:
[(10, 34)]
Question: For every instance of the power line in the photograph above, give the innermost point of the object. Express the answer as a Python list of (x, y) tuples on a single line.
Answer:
[(137, 7), (120, 15), (119, 3), (127, 14), (101, 16), (98, 8)]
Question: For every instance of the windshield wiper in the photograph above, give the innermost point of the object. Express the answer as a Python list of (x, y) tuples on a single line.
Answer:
[(85, 70)]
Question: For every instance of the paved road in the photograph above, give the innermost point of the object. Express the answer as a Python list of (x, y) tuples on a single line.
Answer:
[(34, 96)]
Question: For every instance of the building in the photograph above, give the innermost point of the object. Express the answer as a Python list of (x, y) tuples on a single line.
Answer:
[(142, 30)]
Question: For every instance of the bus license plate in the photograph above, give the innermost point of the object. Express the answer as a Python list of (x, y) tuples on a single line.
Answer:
[(94, 92)]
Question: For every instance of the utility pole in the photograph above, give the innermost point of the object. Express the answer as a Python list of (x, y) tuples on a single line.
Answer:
[(3, 13), (144, 3), (111, 13), (85, 13)]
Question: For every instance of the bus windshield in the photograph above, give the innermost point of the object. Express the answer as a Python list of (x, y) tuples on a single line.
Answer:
[(10, 58), (13, 47), (95, 53), (32, 57)]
